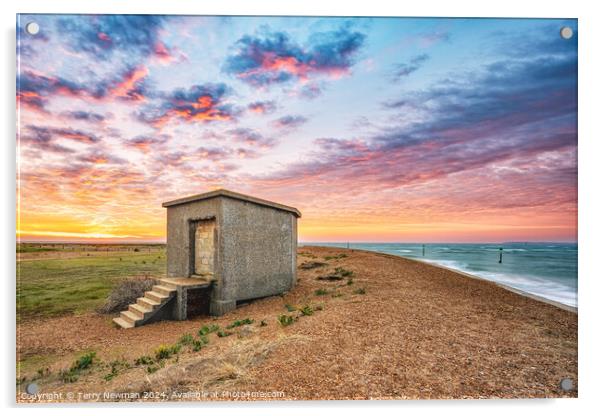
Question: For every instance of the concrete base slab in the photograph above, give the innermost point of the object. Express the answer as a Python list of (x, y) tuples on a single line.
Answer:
[(193, 283), (182, 285), (221, 307)]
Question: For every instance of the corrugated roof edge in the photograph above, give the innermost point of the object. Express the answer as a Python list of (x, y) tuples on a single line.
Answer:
[(231, 194)]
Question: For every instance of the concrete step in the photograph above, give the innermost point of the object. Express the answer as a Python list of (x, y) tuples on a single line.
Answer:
[(203, 278), (157, 297), (142, 311), (139, 310), (168, 284), (164, 290), (147, 303), (130, 317), (123, 323)]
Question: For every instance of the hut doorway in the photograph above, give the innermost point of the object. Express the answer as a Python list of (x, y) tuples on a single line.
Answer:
[(204, 248)]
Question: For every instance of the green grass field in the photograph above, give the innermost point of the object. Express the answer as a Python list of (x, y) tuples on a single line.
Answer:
[(26, 248), (52, 287)]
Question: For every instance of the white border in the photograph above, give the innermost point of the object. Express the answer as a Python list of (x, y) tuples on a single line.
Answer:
[(590, 201)]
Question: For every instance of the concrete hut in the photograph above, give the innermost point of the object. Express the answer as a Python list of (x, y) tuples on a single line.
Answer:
[(222, 248)]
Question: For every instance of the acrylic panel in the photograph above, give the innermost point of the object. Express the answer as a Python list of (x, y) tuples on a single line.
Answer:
[(295, 208)]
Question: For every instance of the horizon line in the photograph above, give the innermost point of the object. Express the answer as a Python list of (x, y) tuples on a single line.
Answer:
[(143, 242)]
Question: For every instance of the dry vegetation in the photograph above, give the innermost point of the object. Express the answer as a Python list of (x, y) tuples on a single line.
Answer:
[(126, 292), (385, 327), (223, 369)]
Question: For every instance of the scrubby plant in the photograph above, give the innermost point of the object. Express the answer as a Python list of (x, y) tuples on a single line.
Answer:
[(208, 329), (110, 375), (343, 272), (321, 292), (197, 344), (307, 310), (82, 363), (360, 291), (290, 308), (166, 351), (43, 372), (144, 360), (223, 333), (186, 339), (349, 282), (286, 320), (68, 376), (125, 293), (263, 323), (338, 274), (116, 366), (240, 322)]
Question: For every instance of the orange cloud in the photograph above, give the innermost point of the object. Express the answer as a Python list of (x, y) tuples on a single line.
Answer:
[(199, 103), (127, 87)]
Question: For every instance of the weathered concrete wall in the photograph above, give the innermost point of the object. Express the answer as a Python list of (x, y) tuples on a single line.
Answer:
[(179, 238), (254, 254), (259, 246)]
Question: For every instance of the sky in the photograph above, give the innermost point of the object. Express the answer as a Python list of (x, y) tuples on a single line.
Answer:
[(376, 129)]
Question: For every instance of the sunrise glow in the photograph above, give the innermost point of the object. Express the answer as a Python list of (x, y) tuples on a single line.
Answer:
[(381, 130)]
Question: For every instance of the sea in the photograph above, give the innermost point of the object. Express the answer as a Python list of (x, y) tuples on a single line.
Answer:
[(548, 270)]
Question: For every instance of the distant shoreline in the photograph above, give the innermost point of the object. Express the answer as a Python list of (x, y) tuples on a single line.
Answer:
[(351, 243), (510, 288), (472, 276)]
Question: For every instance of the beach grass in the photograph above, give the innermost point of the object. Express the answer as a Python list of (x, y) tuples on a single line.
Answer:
[(59, 286)]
